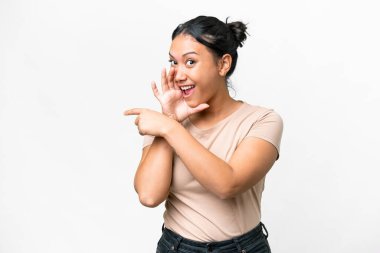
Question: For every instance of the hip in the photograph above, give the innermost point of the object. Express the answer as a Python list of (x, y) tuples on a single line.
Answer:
[(254, 241)]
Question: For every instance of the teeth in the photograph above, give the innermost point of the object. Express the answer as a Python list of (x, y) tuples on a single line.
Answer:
[(187, 87)]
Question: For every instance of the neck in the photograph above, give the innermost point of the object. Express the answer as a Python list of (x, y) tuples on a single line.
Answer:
[(220, 106)]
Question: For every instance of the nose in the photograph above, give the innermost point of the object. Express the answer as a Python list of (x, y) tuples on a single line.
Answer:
[(180, 75)]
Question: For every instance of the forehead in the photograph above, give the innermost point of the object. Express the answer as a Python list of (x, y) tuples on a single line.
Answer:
[(184, 43)]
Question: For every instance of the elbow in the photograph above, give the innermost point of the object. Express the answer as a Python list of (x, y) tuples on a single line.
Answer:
[(151, 197), (230, 190), (149, 201), (226, 193)]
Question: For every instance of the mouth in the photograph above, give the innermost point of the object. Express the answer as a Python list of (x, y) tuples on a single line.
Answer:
[(187, 90)]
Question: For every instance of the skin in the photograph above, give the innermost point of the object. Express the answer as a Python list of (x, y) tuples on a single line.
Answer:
[(210, 102)]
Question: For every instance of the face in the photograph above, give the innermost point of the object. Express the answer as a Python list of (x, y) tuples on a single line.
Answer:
[(196, 70)]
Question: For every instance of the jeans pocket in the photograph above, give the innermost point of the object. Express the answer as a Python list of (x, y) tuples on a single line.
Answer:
[(162, 249), (260, 245)]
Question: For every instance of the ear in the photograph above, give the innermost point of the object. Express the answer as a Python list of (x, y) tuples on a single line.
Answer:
[(225, 64)]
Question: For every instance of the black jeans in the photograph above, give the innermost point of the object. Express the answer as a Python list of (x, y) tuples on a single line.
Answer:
[(254, 241)]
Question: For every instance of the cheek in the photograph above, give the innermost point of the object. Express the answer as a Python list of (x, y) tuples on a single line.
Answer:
[(209, 80), (205, 73)]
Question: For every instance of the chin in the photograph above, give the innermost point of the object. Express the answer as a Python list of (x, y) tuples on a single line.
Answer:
[(192, 103)]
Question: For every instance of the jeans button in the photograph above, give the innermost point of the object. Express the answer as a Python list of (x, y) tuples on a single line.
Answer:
[(172, 247), (243, 251)]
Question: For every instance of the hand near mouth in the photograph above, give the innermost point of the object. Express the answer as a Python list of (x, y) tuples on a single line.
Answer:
[(171, 99)]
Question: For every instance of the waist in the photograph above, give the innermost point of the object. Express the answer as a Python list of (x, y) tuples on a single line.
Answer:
[(175, 241)]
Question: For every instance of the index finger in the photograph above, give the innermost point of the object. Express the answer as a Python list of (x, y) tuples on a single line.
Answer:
[(164, 81), (134, 111)]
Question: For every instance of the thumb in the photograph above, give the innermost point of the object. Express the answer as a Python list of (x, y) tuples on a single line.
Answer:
[(199, 108)]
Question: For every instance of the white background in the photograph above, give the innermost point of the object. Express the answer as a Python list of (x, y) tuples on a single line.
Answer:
[(68, 70)]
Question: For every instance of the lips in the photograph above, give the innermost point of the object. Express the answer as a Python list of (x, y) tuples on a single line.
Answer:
[(187, 90)]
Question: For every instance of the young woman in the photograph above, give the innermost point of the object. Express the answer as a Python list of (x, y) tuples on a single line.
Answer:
[(206, 154)]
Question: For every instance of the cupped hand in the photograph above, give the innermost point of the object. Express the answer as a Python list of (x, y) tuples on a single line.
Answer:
[(171, 99)]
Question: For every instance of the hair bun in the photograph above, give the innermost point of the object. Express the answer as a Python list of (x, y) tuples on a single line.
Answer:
[(239, 30)]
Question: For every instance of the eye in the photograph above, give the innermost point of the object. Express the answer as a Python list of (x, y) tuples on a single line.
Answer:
[(190, 62), (172, 62)]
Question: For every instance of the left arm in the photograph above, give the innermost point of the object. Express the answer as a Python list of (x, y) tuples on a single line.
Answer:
[(248, 165)]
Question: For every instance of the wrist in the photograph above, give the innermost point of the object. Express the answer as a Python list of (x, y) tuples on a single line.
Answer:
[(171, 125), (171, 116)]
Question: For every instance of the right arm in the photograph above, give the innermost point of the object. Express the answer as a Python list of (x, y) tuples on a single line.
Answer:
[(154, 173)]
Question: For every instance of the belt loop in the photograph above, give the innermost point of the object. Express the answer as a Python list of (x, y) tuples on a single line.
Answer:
[(163, 227), (266, 231), (237, 245), (177, 243)]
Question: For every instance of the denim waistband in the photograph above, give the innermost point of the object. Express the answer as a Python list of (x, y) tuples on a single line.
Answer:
[(176, 241)]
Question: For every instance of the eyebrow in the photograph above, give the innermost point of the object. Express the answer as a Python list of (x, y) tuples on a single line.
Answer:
[(192, 52)]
